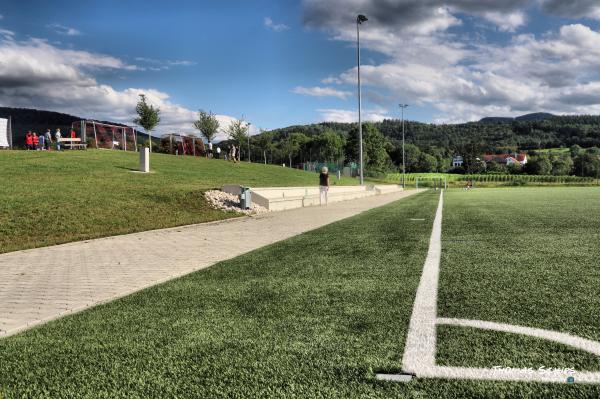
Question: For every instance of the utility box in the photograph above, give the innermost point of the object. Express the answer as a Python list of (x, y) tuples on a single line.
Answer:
[(246, 198)]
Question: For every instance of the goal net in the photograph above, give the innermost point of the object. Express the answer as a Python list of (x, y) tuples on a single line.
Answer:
[(106, 136)]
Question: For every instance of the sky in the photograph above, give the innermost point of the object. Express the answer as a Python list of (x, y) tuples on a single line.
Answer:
[(278, 63)]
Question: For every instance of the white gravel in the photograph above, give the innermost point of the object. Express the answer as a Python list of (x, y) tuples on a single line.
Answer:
[(229, 202)]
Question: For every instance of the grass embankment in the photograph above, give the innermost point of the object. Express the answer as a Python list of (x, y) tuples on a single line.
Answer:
[(49, 197), (523, 256), (279, 323)]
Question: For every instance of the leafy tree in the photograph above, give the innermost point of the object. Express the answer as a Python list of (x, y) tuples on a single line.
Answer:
[(148, 116), (375, 156), (238, 132), (539, 165), (562, 165), (207, 124), (264, 141), (427, 163), (331, 145), (588, 163)]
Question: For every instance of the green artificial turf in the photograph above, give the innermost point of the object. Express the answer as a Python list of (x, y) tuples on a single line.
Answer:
[(316, 315), (524, 257), (48, 198)]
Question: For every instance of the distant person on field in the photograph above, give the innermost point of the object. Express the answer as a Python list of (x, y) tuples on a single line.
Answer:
[(42, 141), (73, 134), (36, 141), (209, 154), (57, 137), (29, 141), (323, 185), (232, 153), (218, 152), (48, 139)]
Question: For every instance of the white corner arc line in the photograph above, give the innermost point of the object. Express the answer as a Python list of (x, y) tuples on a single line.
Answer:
[(574, 341), (420, 347)]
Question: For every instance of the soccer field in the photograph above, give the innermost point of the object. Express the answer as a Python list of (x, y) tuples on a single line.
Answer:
[(320, 314)]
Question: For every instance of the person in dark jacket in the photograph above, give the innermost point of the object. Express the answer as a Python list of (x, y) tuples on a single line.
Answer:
[(323, 185)]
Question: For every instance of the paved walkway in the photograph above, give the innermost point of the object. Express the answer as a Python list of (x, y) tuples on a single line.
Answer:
[(42, 284)]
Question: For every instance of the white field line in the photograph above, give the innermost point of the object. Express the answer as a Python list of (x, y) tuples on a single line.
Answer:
[(420, 348), (583, 344)]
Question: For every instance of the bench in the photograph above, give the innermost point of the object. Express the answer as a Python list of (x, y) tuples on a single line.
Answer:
[(73, 143)]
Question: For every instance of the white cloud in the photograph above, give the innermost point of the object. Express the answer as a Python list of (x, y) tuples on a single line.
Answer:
[(351, 116), (274, 26), (64, 30), (507, 22), (331, 80), (464, 76), (322, 92), (38, 75), (1, 16), (153, 64)]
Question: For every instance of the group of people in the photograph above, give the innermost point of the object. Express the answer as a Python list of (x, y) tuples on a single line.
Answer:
[(43, 142), (234, 154)]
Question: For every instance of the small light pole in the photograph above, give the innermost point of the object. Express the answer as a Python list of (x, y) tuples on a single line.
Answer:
[(403, 106), (359, 20), (249, 141)]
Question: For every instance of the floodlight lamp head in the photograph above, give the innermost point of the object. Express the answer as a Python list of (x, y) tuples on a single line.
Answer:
[(361, 18)]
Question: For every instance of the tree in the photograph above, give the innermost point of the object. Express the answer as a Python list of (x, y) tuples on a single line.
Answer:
[(330, 145), (207, 124), (562, 164), (238, 132), (427, 163), (539, 165), (148, 116), (375, 156)]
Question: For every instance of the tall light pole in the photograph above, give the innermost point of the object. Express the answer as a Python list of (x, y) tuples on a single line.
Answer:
[(249, 141), (359, 20), (403, 106)]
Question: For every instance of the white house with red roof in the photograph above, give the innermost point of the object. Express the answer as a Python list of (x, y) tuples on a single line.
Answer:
[(506, 159)]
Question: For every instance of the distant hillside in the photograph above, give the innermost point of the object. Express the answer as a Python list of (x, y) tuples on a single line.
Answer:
[(538, 116)]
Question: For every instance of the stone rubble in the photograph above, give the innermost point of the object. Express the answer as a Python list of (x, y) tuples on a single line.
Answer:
[(229, 202)]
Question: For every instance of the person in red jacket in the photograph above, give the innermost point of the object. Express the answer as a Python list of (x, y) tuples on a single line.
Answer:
[(73, 134), (36, 141), (29, 141)]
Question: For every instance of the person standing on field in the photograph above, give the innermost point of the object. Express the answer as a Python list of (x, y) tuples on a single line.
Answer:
[(36, 141), (218, 152), (48, 139), (42, 141), (29, 140), (232, 153), (209, 154), (323, 185), (57, 136)]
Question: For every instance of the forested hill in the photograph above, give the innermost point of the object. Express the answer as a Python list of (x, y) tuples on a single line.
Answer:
[(544, 131)]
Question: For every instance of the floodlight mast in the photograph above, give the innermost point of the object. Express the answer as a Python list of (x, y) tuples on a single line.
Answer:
[(359, 20), (403, 106)]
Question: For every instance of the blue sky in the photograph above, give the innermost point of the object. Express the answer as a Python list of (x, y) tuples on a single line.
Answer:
[(270, 61)]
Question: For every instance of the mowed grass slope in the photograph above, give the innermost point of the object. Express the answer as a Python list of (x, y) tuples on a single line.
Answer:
[(50, 197), (306, 318), (523, 256)]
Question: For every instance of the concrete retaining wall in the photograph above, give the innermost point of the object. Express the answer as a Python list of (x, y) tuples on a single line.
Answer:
[(281, 198)]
